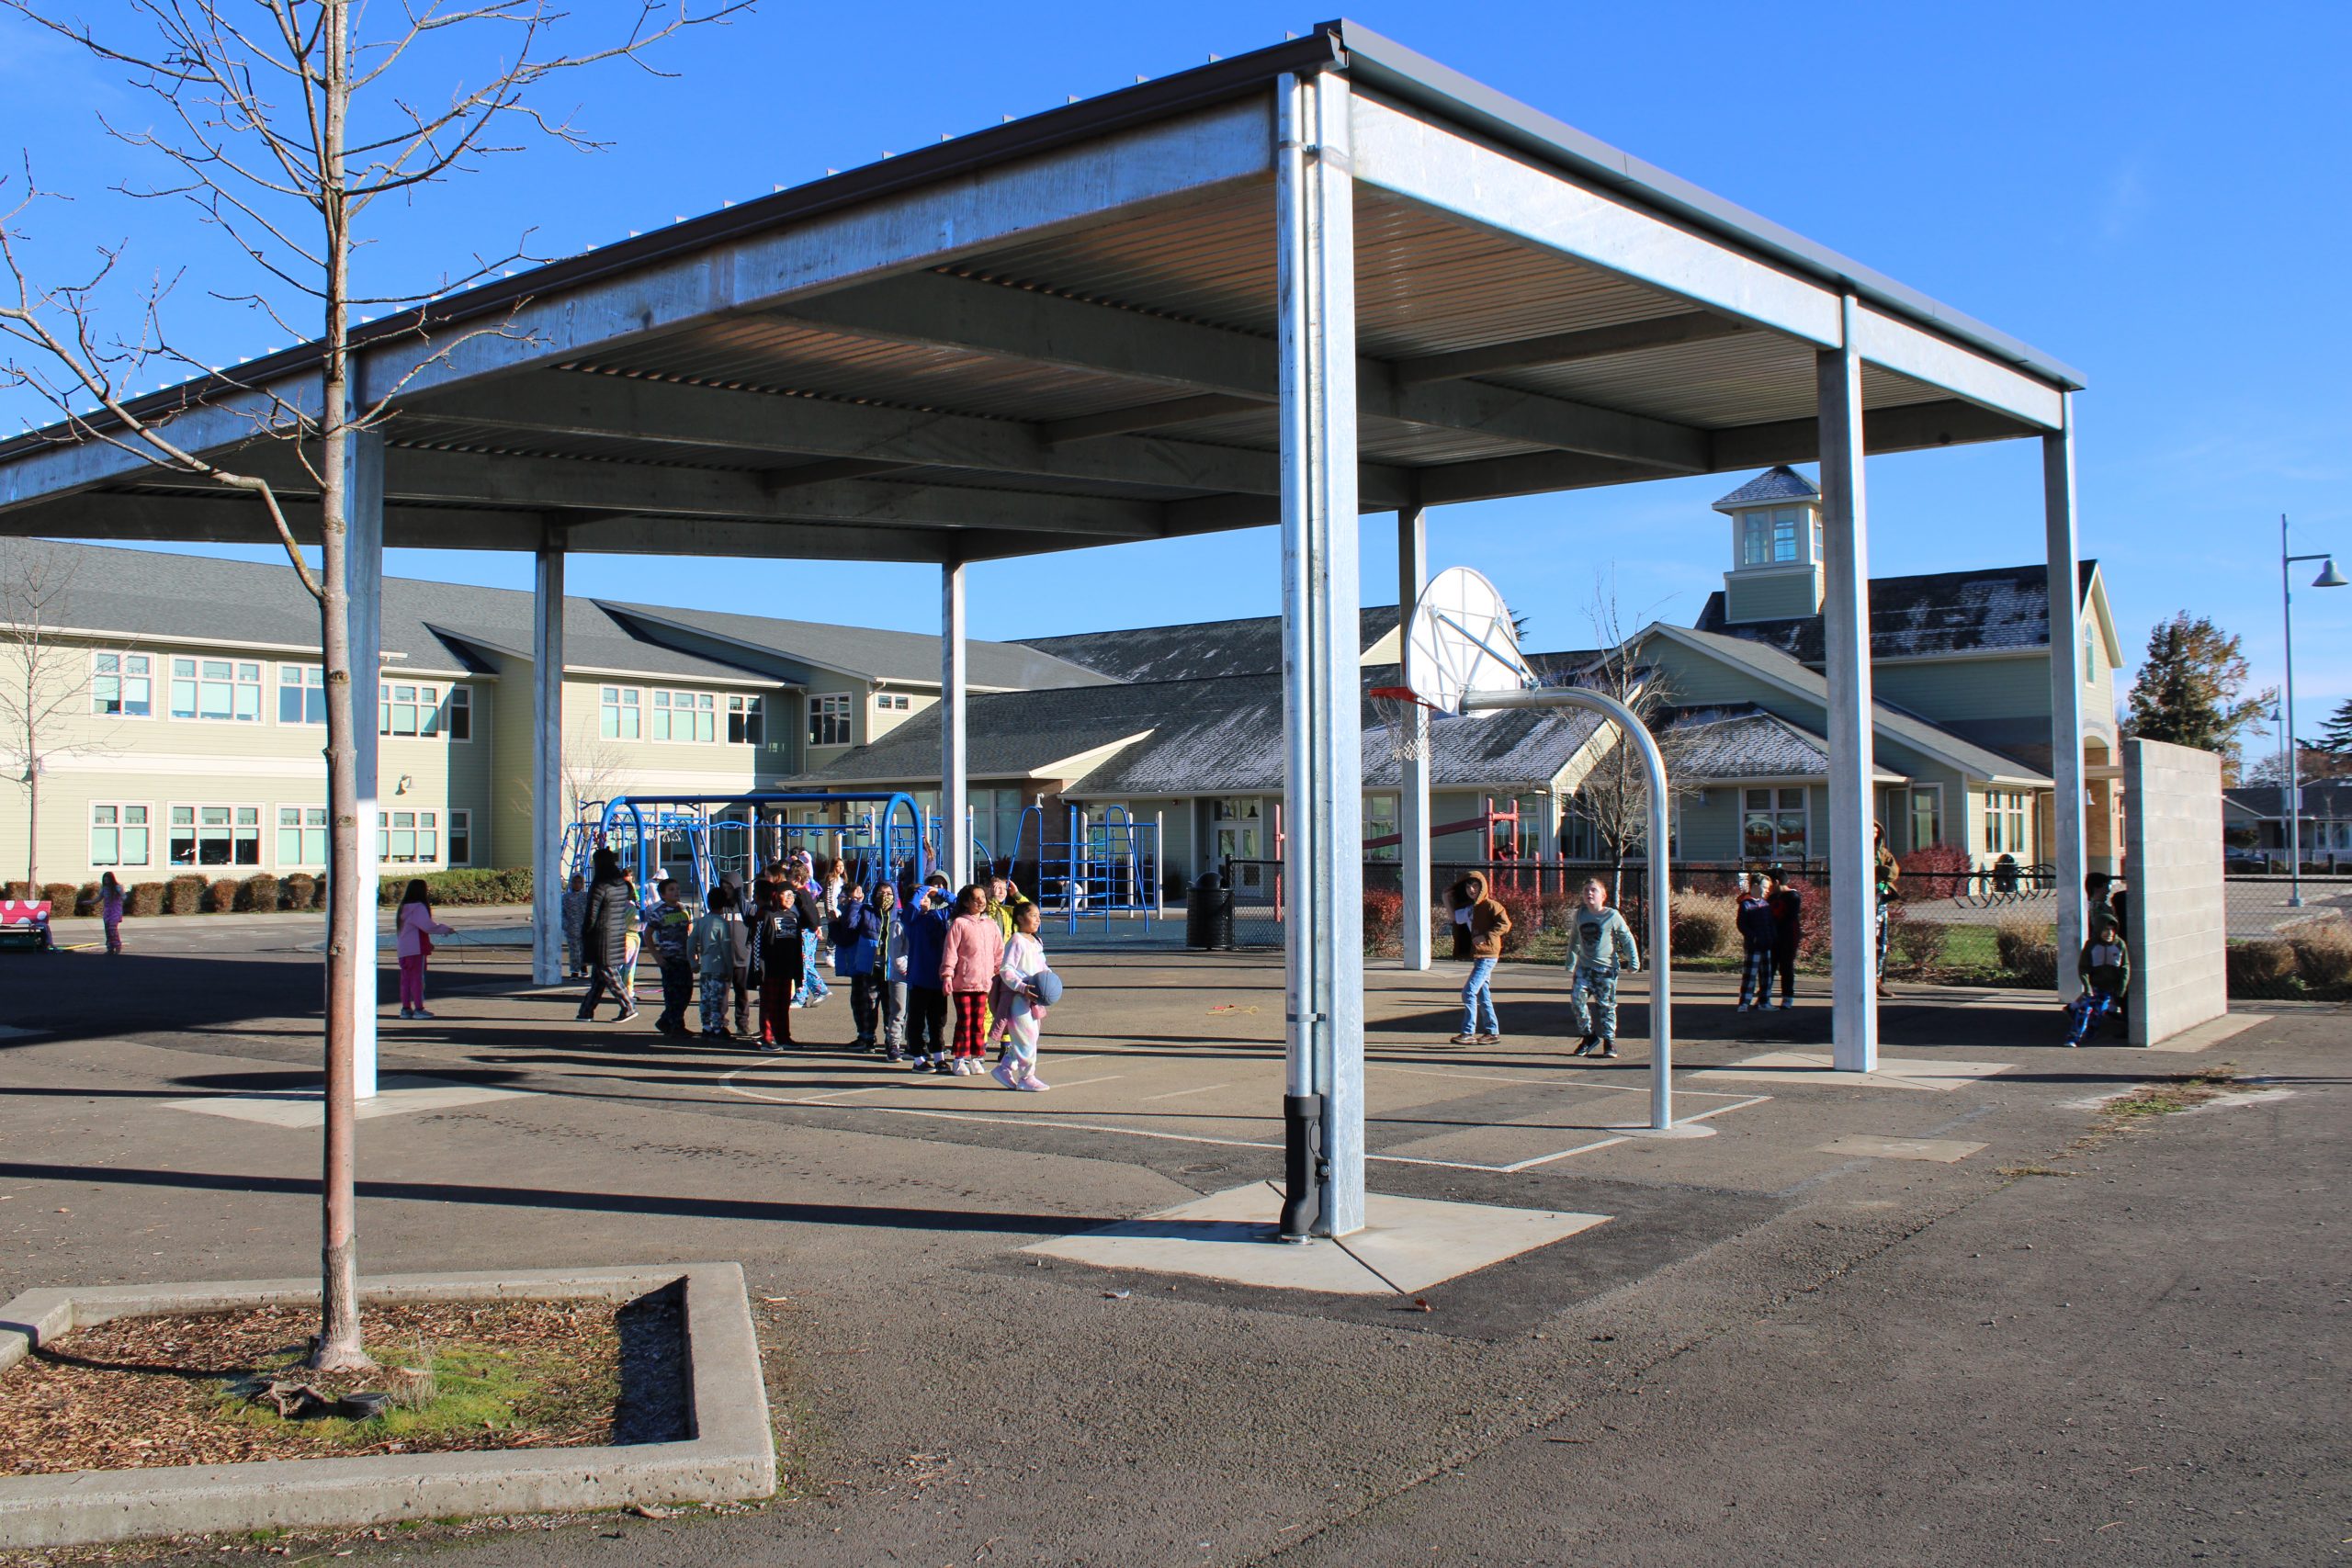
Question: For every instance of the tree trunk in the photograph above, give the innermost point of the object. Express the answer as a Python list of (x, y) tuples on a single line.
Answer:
[(33, 820), (339, 1337)]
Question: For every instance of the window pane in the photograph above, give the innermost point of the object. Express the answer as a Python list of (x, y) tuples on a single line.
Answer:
[(1759, 799), (104, 846), (1756, 836), (1793, 800), (134, 845)]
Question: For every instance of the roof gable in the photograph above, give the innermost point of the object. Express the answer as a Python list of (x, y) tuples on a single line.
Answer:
[(1781, 483)]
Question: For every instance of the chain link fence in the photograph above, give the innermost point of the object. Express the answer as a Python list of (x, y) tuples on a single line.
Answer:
[(1991, 928)]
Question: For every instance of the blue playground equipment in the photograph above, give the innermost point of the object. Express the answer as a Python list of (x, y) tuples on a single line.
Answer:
[(1103, 865), (699, 839)]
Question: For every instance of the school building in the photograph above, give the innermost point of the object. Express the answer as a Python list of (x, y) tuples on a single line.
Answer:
[(189, 734)]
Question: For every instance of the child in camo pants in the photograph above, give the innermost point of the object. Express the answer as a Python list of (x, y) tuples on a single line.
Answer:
[(1603, 943)]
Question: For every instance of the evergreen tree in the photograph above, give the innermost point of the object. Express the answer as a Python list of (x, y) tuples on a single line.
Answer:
[(2335, 734), (2188, 687)]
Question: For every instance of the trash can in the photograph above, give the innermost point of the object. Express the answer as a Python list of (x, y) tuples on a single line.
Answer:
[(2005, 874), (1208, 914)]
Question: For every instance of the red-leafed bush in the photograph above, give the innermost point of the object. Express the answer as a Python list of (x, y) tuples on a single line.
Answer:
[(1383, 921), (1937, 871)]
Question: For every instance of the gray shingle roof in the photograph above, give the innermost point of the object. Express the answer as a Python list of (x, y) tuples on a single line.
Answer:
[(1740, 741), (1207, 650), (1782, 483), (1941, 611), (2331, 798), (908, 657)]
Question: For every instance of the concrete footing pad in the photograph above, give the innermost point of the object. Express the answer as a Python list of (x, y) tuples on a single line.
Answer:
[(1407, 1244), (731, 1456), (1789, 1067)]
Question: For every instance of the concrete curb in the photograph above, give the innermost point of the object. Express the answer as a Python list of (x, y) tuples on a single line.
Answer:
[(730, 1456)]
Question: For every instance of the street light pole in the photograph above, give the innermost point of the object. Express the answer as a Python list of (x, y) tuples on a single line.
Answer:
[(2328, 577)]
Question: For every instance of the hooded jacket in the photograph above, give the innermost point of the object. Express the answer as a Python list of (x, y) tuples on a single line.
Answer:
[(1482, 935)]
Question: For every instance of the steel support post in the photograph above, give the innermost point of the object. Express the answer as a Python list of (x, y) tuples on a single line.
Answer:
[(1323, 871), (2066, 691), (549, 806), (1413, 780), (954, 852), (1846, 622), (363, 578)]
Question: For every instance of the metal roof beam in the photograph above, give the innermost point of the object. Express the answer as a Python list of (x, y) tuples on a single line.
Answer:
[(714, 419), (1908, 427), (539, 484), (940, 312), (1565, 348), (215, 516)]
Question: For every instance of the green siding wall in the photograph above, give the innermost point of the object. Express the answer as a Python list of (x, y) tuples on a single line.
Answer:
[(1773, 597)]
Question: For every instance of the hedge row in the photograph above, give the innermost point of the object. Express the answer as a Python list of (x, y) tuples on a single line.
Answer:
[(201, 896)]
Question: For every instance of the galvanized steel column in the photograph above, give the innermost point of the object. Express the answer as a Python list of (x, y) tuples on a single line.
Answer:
[(1413, 782), (1846, 621), (1323, 880), (548, 807), (955, 846), (2065, 689), (363, 578)]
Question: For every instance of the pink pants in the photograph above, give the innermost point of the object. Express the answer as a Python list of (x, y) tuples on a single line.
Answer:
[(412, 981)]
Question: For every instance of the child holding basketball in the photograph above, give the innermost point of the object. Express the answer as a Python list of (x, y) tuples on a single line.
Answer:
[(1028, 988)]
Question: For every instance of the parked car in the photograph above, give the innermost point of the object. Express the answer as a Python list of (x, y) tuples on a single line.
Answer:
[(2243, 861)]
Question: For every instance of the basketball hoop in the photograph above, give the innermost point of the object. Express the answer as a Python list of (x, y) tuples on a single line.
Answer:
[(1402, 717)]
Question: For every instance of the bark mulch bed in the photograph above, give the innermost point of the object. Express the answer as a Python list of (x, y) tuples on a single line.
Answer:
[(145, 1392)]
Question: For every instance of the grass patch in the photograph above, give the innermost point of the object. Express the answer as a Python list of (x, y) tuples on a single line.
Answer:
[(2166, 1096), (477, 1389)]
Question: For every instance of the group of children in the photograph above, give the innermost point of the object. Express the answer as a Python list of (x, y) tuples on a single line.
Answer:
[(977, 957), (1770, 917)]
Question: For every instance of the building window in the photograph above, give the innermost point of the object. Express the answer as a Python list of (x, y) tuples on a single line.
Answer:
[(460, 721), (301, 694), (1769, 536), (2090, 655), (1756, 532), (301, 835), (890, 702), (1927, 815), (216, 835), (216, 689), (828, 720), (461, 838), (746, 720), (2005, 823), (617, 717), (403, 709), (408, 837), (122, 685), (1380, 822), (684, 716), (1775, 824), (118, 835)]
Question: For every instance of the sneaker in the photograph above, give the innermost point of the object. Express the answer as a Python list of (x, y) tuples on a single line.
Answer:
[(1004, 1075), (771, 1047), (1787, 1007), (1608, 1052), (1742, 1008), (405, 1013), (1464, 1040), (919, 1064), (1584, 1045), (420, 1012), (1488, 1039), (627, 1012), (1032, 1084)]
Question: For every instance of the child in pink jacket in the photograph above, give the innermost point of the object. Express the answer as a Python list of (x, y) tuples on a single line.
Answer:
[(418, 930), (967, 968)]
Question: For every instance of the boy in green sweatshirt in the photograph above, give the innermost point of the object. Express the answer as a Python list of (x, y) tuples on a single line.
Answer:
[(1603, 941)]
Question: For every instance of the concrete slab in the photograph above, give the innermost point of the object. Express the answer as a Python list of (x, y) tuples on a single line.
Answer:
[(1818, 1067), (730, 1456), (2211, 1033), (1410, 1244), (1945, 1151), (304, 1107)]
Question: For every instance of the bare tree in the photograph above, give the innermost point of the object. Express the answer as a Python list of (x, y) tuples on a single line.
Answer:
[(45, 696), (592, 771), (286, 122), (1614, 796)]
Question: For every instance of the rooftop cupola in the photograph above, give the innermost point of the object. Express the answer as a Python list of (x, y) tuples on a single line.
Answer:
[(1775, 548)]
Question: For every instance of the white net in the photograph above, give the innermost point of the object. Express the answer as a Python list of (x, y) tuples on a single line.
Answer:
[(1404, 721)]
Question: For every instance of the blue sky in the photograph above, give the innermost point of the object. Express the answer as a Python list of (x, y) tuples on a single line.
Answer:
[(2154, 193)]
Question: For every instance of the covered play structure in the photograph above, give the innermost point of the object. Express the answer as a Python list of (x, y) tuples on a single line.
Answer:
[(1327, 277)]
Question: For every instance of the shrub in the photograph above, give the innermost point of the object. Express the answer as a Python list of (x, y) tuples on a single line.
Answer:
[(14, 890), (1704, 925), (1938, 871), (258, 892), (466, 884), (297, 891), (2259, 969), (86, 902), (221, 896), (184, 895), (1383, 920), (61, 896), (1915, 945), (2324, 953), (1526, 912), (143, 899), (2028, 949)]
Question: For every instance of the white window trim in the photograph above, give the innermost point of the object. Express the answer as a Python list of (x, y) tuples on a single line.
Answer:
[(451, 703), (450, 817), (1912, 814), (439, 830), (673, 694), (753, 704), (275, 828), (153, 680), (119, 864), (266, 824), (640, 707), (278, 687), (262, 689), (841, 703)]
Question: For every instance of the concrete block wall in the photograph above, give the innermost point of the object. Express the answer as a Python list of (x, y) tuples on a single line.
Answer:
[(2175, 915)]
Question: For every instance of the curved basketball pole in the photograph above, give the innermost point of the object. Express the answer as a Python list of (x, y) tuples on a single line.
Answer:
[(1661, 972)]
